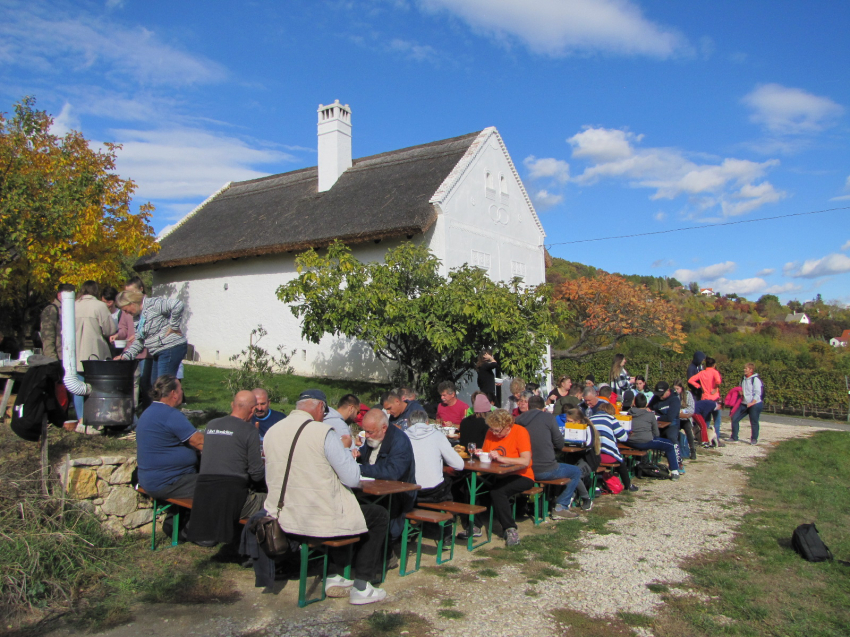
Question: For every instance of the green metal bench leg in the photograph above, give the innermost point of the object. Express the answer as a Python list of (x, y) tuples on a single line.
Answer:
[(306, 558), (346, 572), (159, 508), (452, 527), (408, 529)]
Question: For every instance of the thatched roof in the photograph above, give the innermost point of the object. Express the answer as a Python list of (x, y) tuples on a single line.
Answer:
[(379, 197)]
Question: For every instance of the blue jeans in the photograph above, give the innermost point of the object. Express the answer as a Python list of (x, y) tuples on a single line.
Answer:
[(672, 431), (167, 361), (754, 413), (660, 444), (716, 415), (563, 471)]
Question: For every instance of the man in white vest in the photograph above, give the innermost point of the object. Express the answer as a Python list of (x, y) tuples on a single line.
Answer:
[(318, 499)]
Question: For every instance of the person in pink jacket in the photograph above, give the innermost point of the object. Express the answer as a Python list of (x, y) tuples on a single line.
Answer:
[(709, 381)]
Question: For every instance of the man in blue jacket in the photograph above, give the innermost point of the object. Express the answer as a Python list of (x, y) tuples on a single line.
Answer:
[(388, 455)]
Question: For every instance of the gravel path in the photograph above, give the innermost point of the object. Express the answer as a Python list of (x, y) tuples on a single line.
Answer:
[(667, 523)]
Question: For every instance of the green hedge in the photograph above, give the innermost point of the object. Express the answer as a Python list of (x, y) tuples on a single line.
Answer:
[(815, 391)]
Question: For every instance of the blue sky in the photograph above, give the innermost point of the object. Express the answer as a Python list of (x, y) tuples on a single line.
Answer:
[(623, 116)]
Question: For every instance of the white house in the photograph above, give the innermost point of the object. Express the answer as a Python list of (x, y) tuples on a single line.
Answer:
[(840, 341), (797, 317), (707, 292), (461, 196)]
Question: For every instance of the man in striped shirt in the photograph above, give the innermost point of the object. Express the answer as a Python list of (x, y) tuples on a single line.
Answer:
[(610, 432)]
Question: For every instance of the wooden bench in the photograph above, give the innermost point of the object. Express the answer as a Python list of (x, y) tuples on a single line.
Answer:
[(317, 549), (460, 509), (631, 456), (547, 491), (602, 468), (534, 493), (414, 523)]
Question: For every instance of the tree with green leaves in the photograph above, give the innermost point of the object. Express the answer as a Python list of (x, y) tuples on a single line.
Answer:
[(65, 214), (432, 326)]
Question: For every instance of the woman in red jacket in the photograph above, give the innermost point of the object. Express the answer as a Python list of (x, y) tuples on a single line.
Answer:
[(709, 381)]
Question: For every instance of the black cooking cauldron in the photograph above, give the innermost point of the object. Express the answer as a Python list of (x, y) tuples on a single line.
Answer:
[(110, 403)]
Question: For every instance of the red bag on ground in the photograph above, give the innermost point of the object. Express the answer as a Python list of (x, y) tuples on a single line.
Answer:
[(612, 485)]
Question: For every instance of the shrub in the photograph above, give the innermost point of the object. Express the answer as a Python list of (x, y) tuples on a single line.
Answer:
[(255, 367)]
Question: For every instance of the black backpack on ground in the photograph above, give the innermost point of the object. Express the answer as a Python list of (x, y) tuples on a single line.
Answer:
[(651, 470), (808, 544)]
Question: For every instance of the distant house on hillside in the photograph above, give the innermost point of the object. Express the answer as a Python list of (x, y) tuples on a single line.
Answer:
[(841, 341), (707, 292), (462, 197), (797, 317)]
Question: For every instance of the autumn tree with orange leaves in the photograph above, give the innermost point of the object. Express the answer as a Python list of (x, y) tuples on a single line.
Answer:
[(65, 215), (604, 309)]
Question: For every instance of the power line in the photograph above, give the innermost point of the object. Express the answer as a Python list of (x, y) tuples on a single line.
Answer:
[(708, 225)]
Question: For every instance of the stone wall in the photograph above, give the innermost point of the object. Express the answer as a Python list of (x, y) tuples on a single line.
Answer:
[(104, 486)]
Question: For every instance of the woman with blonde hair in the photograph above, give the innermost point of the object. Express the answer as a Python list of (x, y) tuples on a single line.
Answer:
[(619, 378), (587, 459)]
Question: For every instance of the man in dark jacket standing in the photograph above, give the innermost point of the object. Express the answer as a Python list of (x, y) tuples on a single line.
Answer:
[(546, 441), (51, 325), (695, 368)]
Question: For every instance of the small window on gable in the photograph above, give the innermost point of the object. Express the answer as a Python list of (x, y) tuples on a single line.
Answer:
[(481, 260), (489, 186), (503, 189)]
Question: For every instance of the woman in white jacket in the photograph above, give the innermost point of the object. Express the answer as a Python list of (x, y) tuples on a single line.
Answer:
[(751, 405)]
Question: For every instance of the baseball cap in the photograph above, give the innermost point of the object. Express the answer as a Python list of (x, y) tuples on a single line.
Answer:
[(315, 394), (661, 388)]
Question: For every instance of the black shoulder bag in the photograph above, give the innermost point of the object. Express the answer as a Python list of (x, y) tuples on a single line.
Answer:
[(271, 538)]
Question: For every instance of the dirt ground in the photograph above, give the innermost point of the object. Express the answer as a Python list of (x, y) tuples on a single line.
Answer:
[(705, 503)]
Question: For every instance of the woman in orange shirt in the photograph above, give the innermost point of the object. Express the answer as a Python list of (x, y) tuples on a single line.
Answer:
[(508, 444), (708, 380)]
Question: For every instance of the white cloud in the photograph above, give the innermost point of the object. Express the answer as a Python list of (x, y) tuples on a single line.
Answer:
[(708, 273), (765, 272), (65, 121), (784, 288), (846, 246), (114, 4), (843, 197), (736, 185), (414, 50), (660, 216), (185, 163), (543, 199), (790, 111), (43, 39), (738, 286), (813, 268), (544, 167), (562, 27)]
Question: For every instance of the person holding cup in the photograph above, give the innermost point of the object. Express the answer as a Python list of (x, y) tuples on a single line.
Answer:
[(123, 321), (508, 444)]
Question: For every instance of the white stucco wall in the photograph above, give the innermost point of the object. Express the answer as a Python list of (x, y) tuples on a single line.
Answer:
[(226, 300)]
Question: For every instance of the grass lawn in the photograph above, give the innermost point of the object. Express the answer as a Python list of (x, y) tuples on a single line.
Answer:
[(760, 586), (205, 389)]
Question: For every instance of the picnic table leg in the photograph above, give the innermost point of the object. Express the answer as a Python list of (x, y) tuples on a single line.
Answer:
[(387, 541), (7, 392)]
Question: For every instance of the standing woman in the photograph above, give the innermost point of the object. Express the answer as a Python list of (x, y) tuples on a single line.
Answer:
[(561, 390), (94, 325), (158, 331), (619, 378), (123, 321), (486, 367)]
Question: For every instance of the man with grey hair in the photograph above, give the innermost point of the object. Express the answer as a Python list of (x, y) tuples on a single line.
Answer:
[(388, 455), (431, 449), (319, 500), (591, 402)]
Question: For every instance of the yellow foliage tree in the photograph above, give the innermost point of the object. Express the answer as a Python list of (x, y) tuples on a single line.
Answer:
[(65, 216), (604, 309)]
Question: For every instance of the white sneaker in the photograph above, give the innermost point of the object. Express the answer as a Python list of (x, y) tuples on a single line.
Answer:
[(368, 596), (337, 586)]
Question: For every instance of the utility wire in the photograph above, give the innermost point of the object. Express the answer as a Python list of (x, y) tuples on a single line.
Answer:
[(708, 225)]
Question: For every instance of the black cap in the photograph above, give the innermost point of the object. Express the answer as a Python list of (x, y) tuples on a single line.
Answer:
[(661, 388), (314, 394)]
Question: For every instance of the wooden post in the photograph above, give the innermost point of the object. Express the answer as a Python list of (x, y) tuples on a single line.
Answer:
[(45, 468)]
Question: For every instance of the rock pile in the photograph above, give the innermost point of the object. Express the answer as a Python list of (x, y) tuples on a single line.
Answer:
[(103, 485)]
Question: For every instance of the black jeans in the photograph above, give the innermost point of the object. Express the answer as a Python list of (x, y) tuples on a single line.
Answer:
[(369, 550), (502, 490)]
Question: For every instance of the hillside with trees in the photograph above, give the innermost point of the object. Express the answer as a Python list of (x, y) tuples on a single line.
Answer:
[(802, 371)]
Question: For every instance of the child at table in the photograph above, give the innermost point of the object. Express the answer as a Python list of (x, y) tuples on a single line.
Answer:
[(587, 459)]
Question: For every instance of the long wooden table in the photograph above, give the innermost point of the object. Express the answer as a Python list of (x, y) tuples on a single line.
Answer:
[(490, 469), (377, 490)]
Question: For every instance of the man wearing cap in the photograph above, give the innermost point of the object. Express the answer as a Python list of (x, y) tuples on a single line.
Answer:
[(264, 415), (400, 409), (666, 404), (319, 501), (332, 416)]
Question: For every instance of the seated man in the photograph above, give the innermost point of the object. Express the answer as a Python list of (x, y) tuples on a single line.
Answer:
[(348, 407), (474, 428), (231, 462), (430, 450), (264, 416), (332, 416), (645, 434), (591, 405), (388, 455), (400, 410), (319, 501), (167, 446), (666, 405), (606, 393), (570, 401), (451, 409), (547, 441)]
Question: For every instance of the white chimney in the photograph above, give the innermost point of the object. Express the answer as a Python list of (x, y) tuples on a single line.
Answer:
[(334, 143)]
